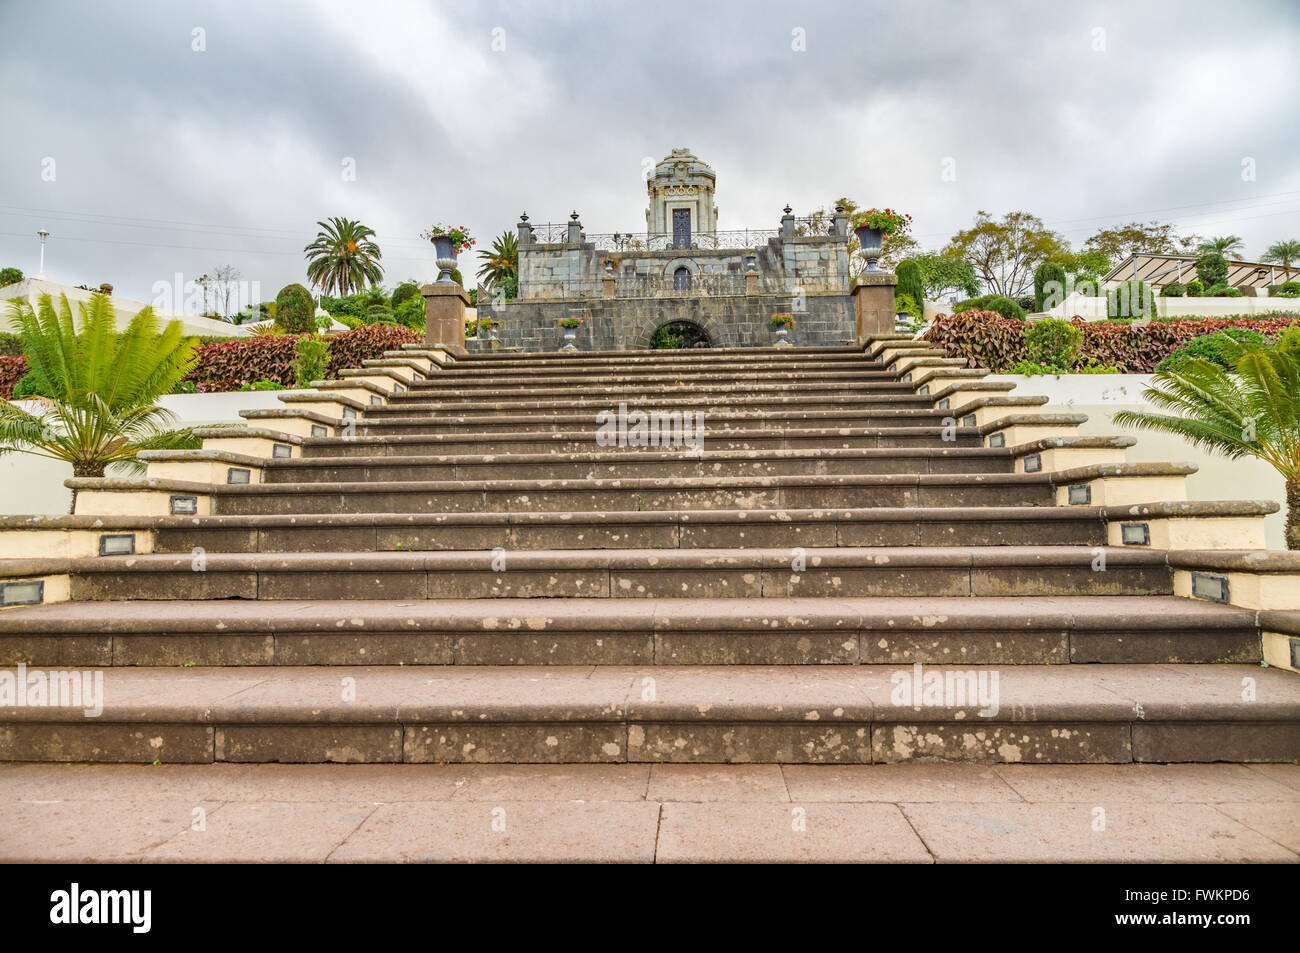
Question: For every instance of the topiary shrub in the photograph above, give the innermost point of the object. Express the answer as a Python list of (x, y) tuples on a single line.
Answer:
[(1007, 308), (295, 310), (1053, 342), (1131, 299), (1195, 289), (1212, 269), (1222, 291), (909, 283), (1049, 285), (1172, 290)]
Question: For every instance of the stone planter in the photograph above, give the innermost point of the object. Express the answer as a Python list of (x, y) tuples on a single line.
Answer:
[(782, 337), (570, 337), (872, 241), (446, 257)]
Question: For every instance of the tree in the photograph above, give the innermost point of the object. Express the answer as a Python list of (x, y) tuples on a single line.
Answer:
[(1283, 253), (501, 261), (1005, 253), (909, 283), (10, 275), (100, 388), (1252, 410), (224, 282), (1049, 285), (1124, 241), (940, 273), (1211, 269), (1225, 245), (343, 258)]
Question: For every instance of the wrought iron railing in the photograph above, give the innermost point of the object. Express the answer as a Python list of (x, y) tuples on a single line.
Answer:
[(742, 238)]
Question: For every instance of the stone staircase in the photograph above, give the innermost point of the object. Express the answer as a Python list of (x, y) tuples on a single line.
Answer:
[(876, 556)]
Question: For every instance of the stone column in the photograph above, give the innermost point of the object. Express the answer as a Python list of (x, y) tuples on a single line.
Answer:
[(751, 282), (575, 230), (607, 283), (444, 316), (873, 304), (787, 223)]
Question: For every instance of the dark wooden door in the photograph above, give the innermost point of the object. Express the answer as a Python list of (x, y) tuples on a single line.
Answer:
[(681, 228), (682, 279)]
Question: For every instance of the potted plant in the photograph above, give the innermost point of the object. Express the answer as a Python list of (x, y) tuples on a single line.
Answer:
[(874, 229), (782, 324), (448, 242), (570, 325), (610, 264)]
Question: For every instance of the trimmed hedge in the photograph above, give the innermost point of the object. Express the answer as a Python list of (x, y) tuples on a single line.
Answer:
[(12, 370), (229, 365), (295, 309), (986, 339)]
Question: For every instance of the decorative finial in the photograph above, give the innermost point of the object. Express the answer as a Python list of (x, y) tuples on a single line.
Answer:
[(787, 210), (574, 216), (839, 207), (523, 216)]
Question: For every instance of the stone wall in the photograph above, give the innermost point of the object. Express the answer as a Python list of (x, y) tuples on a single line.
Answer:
[(616, 324)]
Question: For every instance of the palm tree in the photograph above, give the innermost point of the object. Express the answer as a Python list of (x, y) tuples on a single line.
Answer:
[(343, 258), (501, 261), (100, 388), (1283, 253), (1225, 245), (1253, 410)]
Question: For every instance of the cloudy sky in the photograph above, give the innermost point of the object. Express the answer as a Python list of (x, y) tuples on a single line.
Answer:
[(144, 156)]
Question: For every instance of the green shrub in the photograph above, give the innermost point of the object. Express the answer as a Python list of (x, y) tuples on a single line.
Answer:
[(1194, 289), (1209, 347), (295, 310), (405, 292), (1131, 299), (11, 345), (264, 384), (909, 285), (1172, 290), (906, 304), (1222, 291), (312, 362), (410, 313), (1007, 308), (1287, 289), (9, 276), (1053, 341), (378, 314), (1049, 285), (1030, 369), (1212, 269), (29, 386)]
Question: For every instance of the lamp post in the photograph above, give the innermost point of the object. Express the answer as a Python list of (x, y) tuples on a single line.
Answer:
[(42, 235)]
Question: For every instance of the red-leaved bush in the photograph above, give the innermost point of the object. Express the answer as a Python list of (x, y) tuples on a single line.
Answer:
[(12, 370), (986, 339), (229, 365)]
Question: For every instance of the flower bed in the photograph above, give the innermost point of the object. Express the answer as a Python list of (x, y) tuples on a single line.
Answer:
[(12, 370), (987, 339)]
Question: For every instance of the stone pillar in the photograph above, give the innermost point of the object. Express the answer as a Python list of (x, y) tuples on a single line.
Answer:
[(751, 283), (525, 231), (873, 304), (607, 283), (840, 225), (575, 230), (444, 316), (787, 224)]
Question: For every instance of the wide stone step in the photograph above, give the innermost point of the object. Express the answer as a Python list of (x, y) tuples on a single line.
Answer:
[(582, 440), (645, 573), (683, 400), (666, 529), (721, 359), (573, 380), (804, 491), (633, 464), (971, 630), (830, 714)]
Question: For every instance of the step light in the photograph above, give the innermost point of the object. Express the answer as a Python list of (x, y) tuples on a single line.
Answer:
[(349, 413), (22, 593), (1210, 586), (1079, 493), (968, 420), (375, 401), (117, 544), (923, 389), (907, 376), (399, 389), (184, 506), (1135, 534), (1033, 463), (239, 475), (943, 404), (318, 431), (281, 450), (997, 440), (1295, 652)]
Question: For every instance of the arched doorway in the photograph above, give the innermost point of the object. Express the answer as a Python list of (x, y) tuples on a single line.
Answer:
[(675, 335), (682, 279)]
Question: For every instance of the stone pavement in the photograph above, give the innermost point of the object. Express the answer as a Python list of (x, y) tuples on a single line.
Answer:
[(903, 813)]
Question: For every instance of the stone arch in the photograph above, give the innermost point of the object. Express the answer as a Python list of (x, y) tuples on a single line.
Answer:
[(690, 264), (647, 326)]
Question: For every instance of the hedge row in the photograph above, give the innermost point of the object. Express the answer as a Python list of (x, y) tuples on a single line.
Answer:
[(229, 365), (987, 339), (12, 370)]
